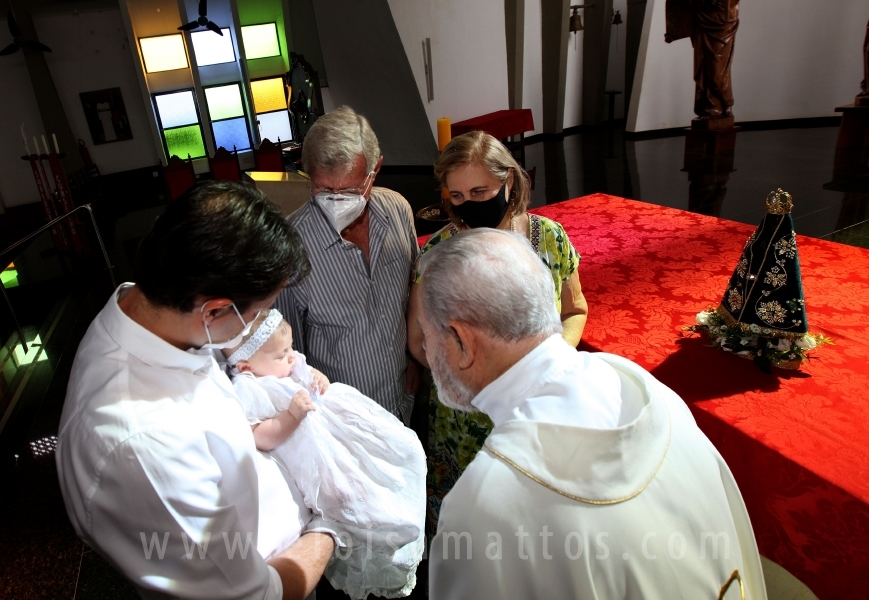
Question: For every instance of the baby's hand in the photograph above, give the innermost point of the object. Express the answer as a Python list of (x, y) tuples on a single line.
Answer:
[(320, 382), (301, 405)]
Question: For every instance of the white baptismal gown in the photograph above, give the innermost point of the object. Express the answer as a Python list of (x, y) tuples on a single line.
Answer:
[(362, 473)]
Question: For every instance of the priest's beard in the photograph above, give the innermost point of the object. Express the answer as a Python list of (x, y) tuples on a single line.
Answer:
[(451, 392)]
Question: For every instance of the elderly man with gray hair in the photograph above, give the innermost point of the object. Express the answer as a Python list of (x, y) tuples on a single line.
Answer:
[(595, 482), (348, 317)]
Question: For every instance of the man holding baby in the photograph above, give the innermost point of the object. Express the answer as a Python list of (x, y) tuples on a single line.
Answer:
[(158, 469)]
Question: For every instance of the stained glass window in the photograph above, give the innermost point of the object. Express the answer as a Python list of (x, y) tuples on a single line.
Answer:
[(231, 133), (180, 124), (212, 49), (260, 41), (268, 94), (176, 109), (224, 101), (227, 116), (163, 53), (275, 126), (185, 140)]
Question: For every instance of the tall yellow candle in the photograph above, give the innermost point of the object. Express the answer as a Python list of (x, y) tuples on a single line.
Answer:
[(444, 133)]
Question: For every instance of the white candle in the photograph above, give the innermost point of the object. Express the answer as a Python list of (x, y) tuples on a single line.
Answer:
[(56, 147), (36, 144), (45, 145)]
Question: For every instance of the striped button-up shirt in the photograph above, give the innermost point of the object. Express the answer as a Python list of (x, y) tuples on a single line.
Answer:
[(348, 316)]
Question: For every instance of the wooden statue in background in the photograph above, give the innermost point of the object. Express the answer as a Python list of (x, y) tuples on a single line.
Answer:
[(863, 97), (711, 25)]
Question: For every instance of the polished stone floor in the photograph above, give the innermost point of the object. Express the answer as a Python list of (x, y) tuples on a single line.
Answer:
[(40, 555)]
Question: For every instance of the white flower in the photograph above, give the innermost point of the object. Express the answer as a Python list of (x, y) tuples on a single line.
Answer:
[(745, 341), (807, 342), (754, 328), (766, 331), (722, 329), (783, 345), (702, 318)]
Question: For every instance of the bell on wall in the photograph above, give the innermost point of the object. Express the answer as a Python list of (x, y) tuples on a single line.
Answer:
[(617, 20), (575, 20), (575, 23)]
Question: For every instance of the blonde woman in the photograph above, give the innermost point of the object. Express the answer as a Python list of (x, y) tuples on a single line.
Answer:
[(487, 188)]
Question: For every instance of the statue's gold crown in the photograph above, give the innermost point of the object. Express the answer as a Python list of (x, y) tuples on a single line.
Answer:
[(779, 202)]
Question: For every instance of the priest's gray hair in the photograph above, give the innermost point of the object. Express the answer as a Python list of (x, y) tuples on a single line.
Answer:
[(492, 280), (336, 139)]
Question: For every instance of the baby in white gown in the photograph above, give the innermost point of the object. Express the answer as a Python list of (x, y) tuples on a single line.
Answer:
[(361, 471)]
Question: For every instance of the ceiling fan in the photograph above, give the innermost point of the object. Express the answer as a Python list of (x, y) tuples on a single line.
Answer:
[(202, 20), (18, 41)]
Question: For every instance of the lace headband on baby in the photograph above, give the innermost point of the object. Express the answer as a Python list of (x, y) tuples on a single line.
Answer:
[(259, 337)]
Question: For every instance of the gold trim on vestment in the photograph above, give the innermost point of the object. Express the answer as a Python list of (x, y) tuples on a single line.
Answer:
[(589, 500), (733, 577)]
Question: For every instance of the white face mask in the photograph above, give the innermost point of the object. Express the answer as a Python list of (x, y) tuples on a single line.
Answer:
[(231, 343), (342, 208)]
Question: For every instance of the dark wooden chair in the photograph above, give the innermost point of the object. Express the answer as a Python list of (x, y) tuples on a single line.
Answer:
[(224, 165), (179, 176), (269, 156)]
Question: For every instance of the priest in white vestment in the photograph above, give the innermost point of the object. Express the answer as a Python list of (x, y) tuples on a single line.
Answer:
[(596, 482)]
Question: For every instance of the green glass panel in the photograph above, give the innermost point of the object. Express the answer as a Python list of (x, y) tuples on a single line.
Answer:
[(185, 140), (9, 277), (260, 41), (224, 102)]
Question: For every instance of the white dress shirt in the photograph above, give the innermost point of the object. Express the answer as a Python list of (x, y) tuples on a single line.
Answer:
[(155, 456)]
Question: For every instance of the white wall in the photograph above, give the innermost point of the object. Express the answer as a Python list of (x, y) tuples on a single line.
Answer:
[(18, 106), (532, 69), (91, 52), (792, 59), (573, 81), (469, 54), (615, 74)]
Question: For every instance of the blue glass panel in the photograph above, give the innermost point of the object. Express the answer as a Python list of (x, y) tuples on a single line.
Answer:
[(274, 126), (231, 132)]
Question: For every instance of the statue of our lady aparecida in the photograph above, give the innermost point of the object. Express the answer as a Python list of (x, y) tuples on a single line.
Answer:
[(762, 315)]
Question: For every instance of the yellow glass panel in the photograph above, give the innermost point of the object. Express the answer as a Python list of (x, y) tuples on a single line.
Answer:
[(260, 41), (163, 53), (268, 94)]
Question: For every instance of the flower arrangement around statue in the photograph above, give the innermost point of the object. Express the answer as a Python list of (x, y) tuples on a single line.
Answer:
[(762, 315)]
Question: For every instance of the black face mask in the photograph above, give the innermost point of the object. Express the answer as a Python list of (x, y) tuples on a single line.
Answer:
[(483, 214)]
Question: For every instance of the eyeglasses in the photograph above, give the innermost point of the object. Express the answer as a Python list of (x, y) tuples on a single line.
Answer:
[(351, 191)]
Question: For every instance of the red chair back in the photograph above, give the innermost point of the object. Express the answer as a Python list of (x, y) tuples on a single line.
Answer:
[(224, 165), (179, 176), (268, 157)]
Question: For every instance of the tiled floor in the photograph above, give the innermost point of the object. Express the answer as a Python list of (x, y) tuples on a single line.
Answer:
[(40, 555)]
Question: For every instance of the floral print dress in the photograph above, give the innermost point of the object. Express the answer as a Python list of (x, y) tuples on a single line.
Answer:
[(455, 437)]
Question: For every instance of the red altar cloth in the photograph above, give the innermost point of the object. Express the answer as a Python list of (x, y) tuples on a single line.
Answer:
[(797, 442), (500, 124)]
